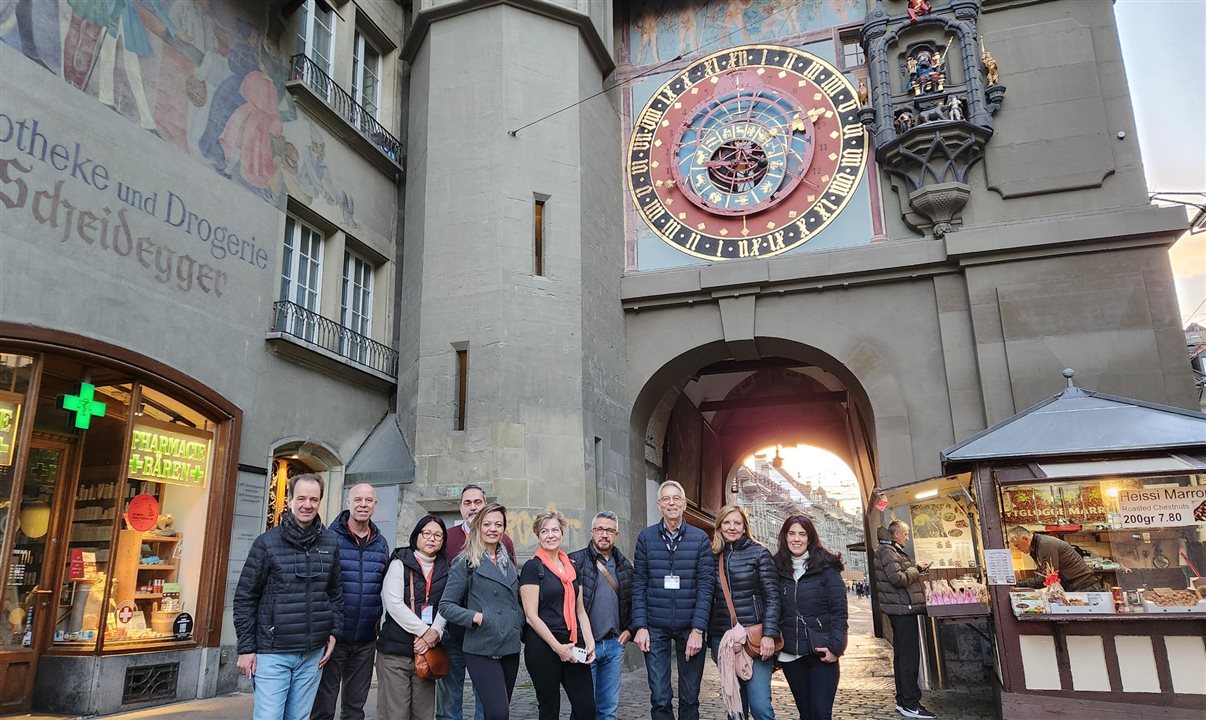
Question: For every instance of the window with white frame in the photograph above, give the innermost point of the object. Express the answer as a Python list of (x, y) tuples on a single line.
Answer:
[(301, 274), (356, 310), (316, 39), (366, 75)]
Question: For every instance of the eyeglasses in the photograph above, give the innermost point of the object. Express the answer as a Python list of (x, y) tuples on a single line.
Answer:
[(667, 500), (428, 535), (604, 530)]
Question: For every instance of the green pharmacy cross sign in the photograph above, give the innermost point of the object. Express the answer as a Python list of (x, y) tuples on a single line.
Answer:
[(83, 405)]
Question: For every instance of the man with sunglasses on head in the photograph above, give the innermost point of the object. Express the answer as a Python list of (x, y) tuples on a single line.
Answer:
[(606, 577), (673, 580), (450, 691)]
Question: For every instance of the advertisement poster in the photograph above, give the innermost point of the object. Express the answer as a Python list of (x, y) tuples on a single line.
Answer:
[(942, 535), (1162, 507)]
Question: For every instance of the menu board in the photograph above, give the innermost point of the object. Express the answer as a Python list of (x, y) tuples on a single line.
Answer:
[(942, 535), (1053, 504)]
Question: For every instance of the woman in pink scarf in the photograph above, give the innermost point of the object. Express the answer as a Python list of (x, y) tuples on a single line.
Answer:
[(247, 137), (559, 645)]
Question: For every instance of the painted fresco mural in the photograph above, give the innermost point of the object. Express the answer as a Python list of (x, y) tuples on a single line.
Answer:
[(202, 75), (666, 29), (662, 30)]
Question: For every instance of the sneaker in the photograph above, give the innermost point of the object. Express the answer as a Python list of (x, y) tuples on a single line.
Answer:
[(922, 712), (906, 712)]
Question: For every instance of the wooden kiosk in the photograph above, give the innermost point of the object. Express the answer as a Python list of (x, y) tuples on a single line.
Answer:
[(1124, 482)]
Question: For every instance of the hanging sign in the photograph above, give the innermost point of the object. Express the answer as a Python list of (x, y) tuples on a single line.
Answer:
[(1162, 507), (143, 512), (165, 453), (10, 419)]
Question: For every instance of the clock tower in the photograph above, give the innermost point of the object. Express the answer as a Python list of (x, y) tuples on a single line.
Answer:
[(512, 332)]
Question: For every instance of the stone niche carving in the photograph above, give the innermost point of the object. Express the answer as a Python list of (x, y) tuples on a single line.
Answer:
[(933, 92)]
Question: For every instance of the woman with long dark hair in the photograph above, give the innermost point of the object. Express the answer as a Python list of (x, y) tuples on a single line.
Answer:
[(747, 593), (814, 619), (483, 597), (413, 587)]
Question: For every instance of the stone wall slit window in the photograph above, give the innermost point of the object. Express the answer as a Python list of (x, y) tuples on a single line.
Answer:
[(462, 386), (538, 234)]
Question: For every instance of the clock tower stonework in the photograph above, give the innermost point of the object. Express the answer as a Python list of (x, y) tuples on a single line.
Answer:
[(512, 332)]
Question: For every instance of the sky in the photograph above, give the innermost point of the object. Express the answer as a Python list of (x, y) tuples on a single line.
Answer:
[(819, 468), (1164, 48)]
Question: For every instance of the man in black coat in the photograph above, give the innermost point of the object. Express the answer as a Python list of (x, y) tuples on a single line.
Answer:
[(288, 607), (606, 577), (902, 597)]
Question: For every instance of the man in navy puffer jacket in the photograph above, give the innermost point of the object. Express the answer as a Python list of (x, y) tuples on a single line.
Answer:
[(363, 560), (673, 581)]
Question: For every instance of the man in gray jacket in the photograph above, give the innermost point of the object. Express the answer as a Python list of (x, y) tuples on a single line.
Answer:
[(902, 597)]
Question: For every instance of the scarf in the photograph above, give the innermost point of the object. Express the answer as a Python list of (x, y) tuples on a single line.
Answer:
[(733, 664), (799, 565), (302, 537), (566, 575)]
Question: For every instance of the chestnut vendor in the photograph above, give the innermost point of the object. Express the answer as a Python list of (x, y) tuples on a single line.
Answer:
[(1052, 553)]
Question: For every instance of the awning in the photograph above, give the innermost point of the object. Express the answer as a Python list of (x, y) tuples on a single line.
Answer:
[(383, 458)]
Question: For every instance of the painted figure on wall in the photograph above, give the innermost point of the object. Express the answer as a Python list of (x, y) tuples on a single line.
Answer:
[(672, 28), (19, 14), (113, 20)]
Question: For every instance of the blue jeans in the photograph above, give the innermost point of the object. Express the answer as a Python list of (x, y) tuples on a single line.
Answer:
[(285, 685), (605, 671), (755, 692), (450, 691), (657, 667)]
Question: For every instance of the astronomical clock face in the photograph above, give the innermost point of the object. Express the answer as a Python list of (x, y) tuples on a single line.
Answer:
[(748, 152)]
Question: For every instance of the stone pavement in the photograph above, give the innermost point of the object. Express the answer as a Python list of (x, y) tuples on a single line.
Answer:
[(865, 692)]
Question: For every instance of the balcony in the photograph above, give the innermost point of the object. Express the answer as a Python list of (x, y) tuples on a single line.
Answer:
[(334, 108), (310, 339)]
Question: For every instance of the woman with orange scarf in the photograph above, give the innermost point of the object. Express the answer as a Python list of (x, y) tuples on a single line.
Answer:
[(560, 646)]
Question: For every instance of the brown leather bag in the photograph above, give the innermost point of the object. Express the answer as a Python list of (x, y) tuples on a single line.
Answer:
[(753, 633), (433, 664)]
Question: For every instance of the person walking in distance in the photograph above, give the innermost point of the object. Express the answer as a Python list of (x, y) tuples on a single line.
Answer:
[(815, 620), (363, 555), (450, 691), (606, 577), (288, 607), (414, 586), (482, 596), (902, 597), (560, 645), (673, 580)]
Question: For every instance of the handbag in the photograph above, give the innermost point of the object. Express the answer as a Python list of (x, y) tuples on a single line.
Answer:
[(433, 664), (753, 633)]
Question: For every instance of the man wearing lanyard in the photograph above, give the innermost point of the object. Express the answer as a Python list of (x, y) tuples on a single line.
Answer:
[(606, 577), (363, 559), (673, 581)]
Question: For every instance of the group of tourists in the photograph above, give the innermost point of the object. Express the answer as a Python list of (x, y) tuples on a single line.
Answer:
[(314, 609)]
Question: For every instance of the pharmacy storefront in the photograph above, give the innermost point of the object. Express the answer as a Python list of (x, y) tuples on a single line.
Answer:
[(113, 475)]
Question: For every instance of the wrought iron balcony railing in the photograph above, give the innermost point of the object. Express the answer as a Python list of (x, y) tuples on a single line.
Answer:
[(293, 319), (340, 101)]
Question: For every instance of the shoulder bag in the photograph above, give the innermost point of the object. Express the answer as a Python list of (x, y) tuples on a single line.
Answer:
[(753, 633), (433, 664)]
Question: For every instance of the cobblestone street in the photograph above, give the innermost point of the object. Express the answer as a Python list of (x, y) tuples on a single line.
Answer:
[(866, 691)]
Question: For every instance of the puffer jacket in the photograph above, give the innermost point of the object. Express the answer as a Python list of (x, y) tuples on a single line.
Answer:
[(754, 586), (898, 588), (290, 595), (588, 575), (690, 606), (817, 600), (394, 639), (363, 569)]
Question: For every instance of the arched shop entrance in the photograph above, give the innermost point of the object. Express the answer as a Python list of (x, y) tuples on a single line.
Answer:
[(114, 470)]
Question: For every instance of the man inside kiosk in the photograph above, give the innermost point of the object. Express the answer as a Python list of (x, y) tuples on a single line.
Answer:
[(1050, 554)]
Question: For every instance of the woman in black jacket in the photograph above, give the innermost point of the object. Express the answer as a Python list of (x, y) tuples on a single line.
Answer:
[(411, 592), (753, 588), (814, 620)]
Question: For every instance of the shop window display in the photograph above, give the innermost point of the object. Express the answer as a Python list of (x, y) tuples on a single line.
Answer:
[(23, 519), (1142, 536)]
